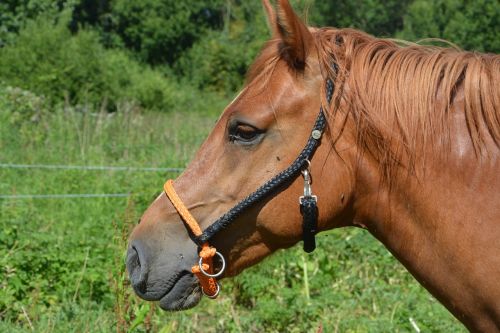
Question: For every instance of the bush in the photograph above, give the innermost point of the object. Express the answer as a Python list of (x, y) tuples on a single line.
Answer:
[(131, 81), (22, 105), (15, 13), (219, 65), (48, 60)]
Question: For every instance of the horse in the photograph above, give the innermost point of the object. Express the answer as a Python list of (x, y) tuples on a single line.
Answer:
[(401, 140)]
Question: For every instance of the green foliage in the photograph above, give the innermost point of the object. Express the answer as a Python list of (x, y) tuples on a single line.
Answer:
[(47, 59), (473, 25), (23, 106), (160, 30), (15, 13), (380, 18), (85, 55), (219, 61)]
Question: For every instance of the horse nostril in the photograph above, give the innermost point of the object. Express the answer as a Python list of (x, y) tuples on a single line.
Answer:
[(137, 267)]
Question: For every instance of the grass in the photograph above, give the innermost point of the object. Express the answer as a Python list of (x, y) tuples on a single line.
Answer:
[(62, 261)]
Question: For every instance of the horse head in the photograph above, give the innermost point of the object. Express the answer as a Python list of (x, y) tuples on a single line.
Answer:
[(257, 136)]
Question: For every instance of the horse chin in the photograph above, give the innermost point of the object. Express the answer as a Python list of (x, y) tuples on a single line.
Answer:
[(185, 294)]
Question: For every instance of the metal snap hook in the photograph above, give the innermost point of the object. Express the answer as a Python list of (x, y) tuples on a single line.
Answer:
[(306, 173), (200, 264)]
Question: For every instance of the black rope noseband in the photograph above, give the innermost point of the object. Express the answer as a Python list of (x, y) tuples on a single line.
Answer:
[(308, 203)]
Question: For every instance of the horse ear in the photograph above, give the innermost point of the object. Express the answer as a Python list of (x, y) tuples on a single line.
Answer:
[(271, 17), (296, 38)]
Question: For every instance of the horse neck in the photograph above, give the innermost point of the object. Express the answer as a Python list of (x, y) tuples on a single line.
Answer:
[(441, 227)]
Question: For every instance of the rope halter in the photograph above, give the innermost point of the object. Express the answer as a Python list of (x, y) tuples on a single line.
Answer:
[(204, 271)]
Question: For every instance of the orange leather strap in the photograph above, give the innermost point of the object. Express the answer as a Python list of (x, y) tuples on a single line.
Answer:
[(208, 284)]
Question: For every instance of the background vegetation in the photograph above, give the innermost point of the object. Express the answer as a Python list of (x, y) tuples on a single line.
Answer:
[(140, 83), (155, 52)]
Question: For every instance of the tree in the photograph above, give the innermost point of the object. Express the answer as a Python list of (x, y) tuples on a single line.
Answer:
[(220, 59), (473, 25), (159, 31), (15, 13), (380, 18)]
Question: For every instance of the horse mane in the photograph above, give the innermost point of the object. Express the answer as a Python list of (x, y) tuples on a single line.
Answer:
[(401, 95)]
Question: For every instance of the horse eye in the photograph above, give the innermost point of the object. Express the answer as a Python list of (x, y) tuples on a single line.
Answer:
[(244, 133)]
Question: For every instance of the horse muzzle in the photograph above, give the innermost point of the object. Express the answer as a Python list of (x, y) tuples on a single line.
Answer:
[(156, 278)]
